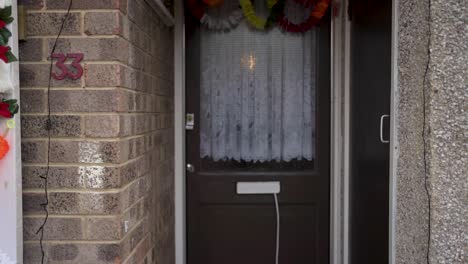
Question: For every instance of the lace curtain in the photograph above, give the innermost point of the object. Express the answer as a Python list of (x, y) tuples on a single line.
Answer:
[(258, 93)]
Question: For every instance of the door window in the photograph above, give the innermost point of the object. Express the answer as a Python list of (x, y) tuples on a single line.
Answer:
[(257, 93)]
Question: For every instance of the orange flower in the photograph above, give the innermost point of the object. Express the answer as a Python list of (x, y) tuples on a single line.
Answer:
[(4, 147)]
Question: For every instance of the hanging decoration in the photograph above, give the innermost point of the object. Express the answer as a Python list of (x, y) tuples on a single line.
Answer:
[(276, 15), (8, 108), (198, 11), (256, 21), (6, 56), (316, 14), (5, 51)]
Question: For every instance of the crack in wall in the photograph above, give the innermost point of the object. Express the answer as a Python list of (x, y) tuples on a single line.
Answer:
[(425, 131)]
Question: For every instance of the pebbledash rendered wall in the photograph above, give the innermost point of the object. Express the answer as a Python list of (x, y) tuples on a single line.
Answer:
[(432, 132), (111, 157), (112, 137)]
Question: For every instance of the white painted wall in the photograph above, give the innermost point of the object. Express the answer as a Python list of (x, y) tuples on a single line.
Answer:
[(11, 227)]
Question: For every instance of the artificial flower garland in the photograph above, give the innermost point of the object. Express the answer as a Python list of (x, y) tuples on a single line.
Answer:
[(8, 108), (199, 13), (316, 14), (5, 51), (276, 8), (256, 21), (6, 56)]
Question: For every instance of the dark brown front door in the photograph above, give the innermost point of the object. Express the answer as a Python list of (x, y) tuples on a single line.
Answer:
[(261, 107), (371, 49)]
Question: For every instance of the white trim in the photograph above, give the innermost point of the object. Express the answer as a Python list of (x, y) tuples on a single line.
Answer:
[(340, 113), (393, 135), (179, 138), (335, 142), (346, 133), (164, 14), (337, 139)]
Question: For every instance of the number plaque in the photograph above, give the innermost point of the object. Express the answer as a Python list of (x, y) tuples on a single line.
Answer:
[(74, 71)]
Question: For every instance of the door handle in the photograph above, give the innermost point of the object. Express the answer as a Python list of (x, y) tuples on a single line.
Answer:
[(381, 129), (190, 168)]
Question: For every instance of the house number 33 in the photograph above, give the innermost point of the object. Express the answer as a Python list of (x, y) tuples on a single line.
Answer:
[(74, 70)]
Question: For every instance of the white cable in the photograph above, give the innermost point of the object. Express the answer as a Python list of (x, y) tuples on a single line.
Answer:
[(277, 228)]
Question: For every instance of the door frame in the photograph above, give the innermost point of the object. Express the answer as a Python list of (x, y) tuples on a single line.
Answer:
[(339, 143), (394, 146)]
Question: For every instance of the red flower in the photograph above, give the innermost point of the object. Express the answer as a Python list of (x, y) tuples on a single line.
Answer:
[(4, 110), (315, 16), (3, 52), (2, 24)]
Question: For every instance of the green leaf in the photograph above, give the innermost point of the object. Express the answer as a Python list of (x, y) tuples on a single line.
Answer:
[(5, 34), (16, 110), (5, 13), (11, 57), (12, 105), (13, 109), (8, 20)]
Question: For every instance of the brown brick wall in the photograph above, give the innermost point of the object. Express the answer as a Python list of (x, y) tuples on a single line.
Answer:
[(111, 153)]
